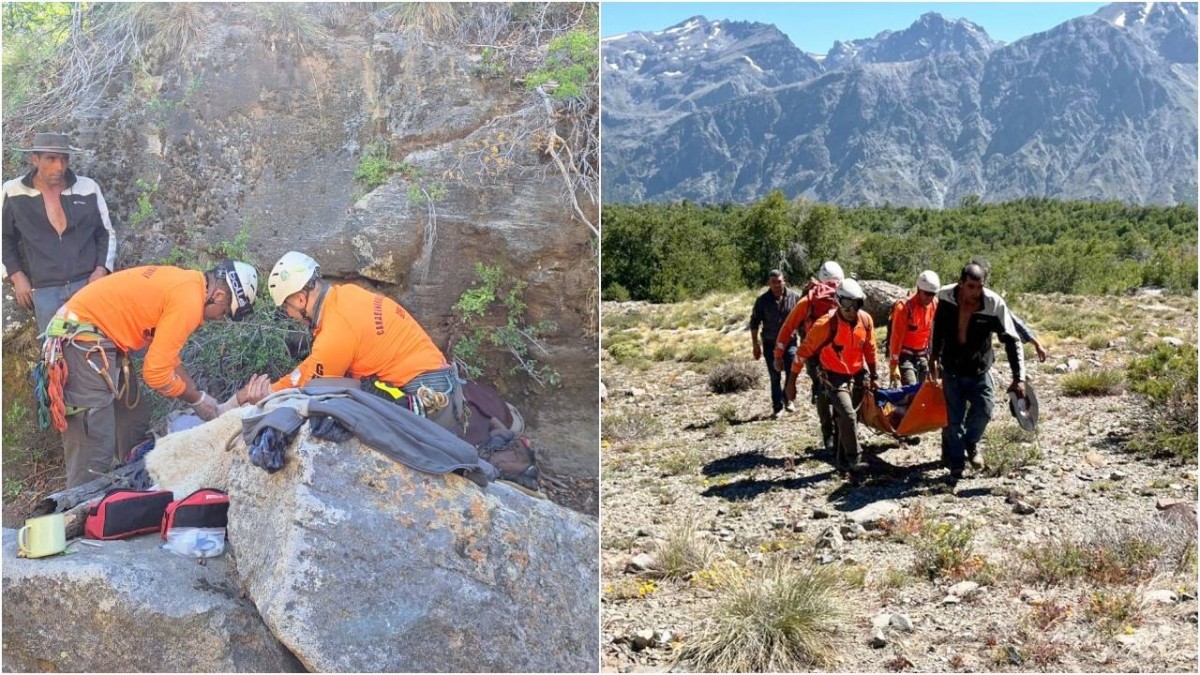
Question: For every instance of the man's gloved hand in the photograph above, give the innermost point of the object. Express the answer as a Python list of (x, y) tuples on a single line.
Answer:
[(894, 373), (1018, 387), (778, 365), (789, 388), (206, 408), (873, 383)]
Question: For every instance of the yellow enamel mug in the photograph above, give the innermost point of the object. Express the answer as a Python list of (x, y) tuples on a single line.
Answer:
[(42, 536)]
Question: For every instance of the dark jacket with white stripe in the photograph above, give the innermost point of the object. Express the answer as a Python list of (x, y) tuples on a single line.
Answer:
[(31, 245), (975, 356)]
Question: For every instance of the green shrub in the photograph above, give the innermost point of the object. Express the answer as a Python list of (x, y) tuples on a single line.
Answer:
[(727, 413), (944, 550), (616, 293), (1167, 379), (571, 63), (780, 619), (703, 353), (374, 167), (664, 353), (1114, 555), (1113, 611), (624, 352), (1094, 383), (222, 355), (145, 209), (492, 314)]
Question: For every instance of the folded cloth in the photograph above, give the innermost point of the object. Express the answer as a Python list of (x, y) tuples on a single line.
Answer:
[(398, 433)]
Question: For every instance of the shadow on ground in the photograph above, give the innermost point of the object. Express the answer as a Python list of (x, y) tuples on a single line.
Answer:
[(882, 479)]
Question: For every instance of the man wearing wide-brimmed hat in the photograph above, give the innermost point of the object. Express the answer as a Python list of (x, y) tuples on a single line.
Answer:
[(57, 233)]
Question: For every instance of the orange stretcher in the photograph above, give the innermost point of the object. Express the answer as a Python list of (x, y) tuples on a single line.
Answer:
[(926, 412)]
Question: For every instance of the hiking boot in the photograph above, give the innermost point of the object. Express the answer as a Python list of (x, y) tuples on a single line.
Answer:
[(956, 474), (790, 407), (975, 458)]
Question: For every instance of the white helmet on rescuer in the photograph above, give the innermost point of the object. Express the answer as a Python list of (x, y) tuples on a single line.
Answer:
[(929, 282), (830, 271), (242, 280), (849, 289), (290, 275)]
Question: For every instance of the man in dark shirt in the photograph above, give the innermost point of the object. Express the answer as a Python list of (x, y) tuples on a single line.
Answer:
[(770, 310), (967, 316), (57, 235)]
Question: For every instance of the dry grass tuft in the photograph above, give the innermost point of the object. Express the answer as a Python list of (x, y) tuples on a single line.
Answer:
[(631, 426), (1098, 383), (682, 554), (784, 619)]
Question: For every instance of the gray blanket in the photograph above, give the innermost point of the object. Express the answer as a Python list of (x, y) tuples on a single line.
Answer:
[(386, 427)]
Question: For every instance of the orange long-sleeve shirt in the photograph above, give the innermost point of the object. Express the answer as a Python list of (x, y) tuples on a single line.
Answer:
[(790, 324), (912, 327), (362, 334), (156, 305), (848, 351), (799, 318)]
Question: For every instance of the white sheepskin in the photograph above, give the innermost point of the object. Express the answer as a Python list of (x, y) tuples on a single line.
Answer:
[(188, 460)]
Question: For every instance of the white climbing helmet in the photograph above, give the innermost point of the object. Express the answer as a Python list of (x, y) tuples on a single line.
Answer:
[(830, 271), (290, 275), (849, 289), (929, 281), (242, 279)]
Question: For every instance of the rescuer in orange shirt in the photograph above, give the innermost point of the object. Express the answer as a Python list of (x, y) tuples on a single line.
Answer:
[(93, 333), (366, 336), (843, 342), (911, 331)]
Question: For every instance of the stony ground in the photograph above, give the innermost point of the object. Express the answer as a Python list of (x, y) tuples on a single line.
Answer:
[(758, 490)]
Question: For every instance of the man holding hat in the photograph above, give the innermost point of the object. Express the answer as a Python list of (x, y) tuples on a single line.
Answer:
[(57, 235), (961, 355)]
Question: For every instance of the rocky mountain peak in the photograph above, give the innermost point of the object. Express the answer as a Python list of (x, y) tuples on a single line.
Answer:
[(1170, 27), (1133, 14), (930, 35)]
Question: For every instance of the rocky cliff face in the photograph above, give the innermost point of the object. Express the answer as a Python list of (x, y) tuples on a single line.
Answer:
[(261, 131), (1099, 107)]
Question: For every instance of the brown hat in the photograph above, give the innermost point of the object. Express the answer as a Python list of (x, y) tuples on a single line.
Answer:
[(52, 142)]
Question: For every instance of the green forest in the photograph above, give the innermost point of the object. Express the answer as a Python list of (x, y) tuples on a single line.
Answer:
[(674, 252)]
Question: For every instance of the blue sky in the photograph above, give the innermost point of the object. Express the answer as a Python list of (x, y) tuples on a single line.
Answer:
[(814, 26)]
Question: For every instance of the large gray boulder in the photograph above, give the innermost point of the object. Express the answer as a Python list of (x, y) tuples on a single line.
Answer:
[(881, 295), (127, 606), (357, 563)]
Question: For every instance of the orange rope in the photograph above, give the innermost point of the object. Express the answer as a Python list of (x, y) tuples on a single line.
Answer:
[(57, 376)]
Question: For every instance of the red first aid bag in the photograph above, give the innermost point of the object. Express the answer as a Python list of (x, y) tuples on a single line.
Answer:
[(206, 507), (125, 513)]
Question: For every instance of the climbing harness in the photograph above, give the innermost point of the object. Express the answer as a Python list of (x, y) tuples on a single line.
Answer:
[(433, 401), (50, 373)]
